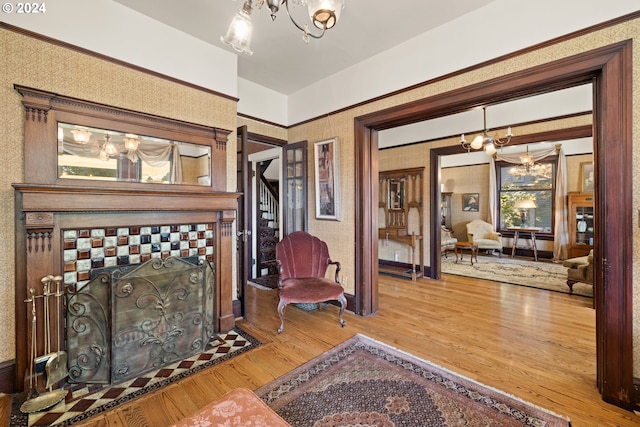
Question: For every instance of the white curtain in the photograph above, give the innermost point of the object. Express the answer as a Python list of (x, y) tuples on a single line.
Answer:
[(561, 231), (156, 155), (561, 239), (82, 150)]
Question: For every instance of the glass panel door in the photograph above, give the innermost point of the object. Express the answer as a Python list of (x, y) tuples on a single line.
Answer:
[(295, 177)]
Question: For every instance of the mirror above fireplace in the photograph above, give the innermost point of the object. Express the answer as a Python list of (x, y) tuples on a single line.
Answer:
[(79, 143), (106, 155)]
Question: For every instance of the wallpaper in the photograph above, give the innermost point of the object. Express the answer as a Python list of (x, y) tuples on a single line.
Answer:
[(37, 64), (341, 234), (40, 65)]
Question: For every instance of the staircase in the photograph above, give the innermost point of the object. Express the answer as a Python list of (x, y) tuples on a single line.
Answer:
[(268, 227)]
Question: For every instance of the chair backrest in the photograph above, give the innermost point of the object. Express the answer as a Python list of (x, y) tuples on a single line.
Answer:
[(302, 255), (479, 229)]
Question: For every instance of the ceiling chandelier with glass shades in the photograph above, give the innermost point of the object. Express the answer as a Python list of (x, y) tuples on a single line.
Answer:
[(324, 14), (483, 141), (527, 166)]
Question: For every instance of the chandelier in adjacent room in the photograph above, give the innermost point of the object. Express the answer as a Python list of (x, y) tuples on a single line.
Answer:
[(485, 142), (527, 166)]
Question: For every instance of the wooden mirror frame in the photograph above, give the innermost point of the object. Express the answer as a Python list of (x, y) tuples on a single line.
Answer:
[(45, 109)]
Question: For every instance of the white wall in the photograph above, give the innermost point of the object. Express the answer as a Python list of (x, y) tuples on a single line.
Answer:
[(107, 27), (508, 26), (259, 101)]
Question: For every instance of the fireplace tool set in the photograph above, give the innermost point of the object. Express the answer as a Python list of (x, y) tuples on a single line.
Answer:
[(53, 364)]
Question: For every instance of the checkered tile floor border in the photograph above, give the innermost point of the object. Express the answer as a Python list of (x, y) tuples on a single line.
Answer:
[(84, 401)]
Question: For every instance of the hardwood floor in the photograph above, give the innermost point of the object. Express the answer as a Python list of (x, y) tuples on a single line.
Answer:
[(534, 344)]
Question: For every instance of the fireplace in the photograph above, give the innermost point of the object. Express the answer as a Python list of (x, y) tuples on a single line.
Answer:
[(105, 255), (148, 242)]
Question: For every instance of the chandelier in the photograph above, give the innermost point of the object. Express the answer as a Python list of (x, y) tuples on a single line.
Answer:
[(526, 167), (483, 141), (323, 14)]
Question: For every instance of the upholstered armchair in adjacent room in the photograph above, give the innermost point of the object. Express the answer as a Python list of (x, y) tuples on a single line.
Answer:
[(447, 241), (303, 260), (579, 269), (482, 234)]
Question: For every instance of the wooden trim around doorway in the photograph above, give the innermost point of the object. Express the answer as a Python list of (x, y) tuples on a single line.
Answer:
[(610, 70)]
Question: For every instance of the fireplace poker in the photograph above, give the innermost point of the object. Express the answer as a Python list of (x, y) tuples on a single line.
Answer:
[(33, 392), (56, 366), (42, 360)]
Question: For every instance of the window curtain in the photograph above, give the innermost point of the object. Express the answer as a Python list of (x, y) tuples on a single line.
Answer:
[(156, 155), (561, 235)]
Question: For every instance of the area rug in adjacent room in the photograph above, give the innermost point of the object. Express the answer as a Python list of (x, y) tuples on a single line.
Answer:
[(84, 400), (268, 282), (536, 274), (362, 382)]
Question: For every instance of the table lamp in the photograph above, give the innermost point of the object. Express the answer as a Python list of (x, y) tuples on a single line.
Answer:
[(524, 206)]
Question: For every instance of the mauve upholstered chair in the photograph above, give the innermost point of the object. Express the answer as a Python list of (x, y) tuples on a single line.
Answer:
[(303, 260)]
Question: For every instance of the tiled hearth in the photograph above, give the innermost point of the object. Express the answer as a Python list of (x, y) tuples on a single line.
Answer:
[(88, 249), (85, 400)]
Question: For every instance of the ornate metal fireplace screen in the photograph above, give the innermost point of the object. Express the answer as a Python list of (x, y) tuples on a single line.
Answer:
[(132, 319)]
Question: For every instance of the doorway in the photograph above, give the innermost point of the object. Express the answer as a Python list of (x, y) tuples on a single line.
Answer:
[(250, 145), (609, 70)]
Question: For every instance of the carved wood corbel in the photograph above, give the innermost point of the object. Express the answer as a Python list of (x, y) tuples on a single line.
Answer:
[(39, 229)]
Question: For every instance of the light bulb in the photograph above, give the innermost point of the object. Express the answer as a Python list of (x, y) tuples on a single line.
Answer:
[(476, 144)]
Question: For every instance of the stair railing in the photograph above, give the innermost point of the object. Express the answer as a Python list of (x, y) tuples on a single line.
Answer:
[(269, 204)]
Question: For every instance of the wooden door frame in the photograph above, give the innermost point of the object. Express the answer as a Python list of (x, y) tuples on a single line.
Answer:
[(610, 70), (248, 137), (435, 252)]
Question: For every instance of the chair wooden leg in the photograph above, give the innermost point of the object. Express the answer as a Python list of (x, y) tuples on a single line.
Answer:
[(343, 304), (281, 306)]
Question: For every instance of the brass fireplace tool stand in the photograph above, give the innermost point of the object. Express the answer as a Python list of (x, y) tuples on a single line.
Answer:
[(55, 362)]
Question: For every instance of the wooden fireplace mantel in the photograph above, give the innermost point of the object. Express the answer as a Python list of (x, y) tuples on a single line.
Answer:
[(60, 198), (43, 212), (49, 203)]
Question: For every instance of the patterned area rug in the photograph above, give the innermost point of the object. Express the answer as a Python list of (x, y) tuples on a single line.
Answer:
[(84, 401), (540, 274), (363, 382)]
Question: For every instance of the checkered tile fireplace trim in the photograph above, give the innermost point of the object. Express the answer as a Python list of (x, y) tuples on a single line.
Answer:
[(86, 249)]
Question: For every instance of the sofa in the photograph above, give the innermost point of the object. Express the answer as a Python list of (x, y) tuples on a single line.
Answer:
[(483, 235), (579, 269), (447, 241)]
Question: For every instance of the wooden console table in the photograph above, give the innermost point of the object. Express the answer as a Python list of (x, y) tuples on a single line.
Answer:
[(516, 235), (413, 241)]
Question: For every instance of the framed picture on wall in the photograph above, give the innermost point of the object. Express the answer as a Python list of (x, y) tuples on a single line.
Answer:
[(586, 177), (470, 202), (327, 179)]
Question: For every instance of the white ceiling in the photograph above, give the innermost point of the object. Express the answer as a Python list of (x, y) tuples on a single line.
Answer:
[(284, 63), (281, 60)]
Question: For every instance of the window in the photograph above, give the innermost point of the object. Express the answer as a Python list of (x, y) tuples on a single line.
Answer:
[(537, 183)]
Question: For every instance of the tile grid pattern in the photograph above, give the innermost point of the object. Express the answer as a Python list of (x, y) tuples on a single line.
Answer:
[(87, 249), (83, 398)]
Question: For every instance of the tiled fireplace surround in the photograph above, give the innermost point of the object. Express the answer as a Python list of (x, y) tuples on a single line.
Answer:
[(89, 249), (71, 239)]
